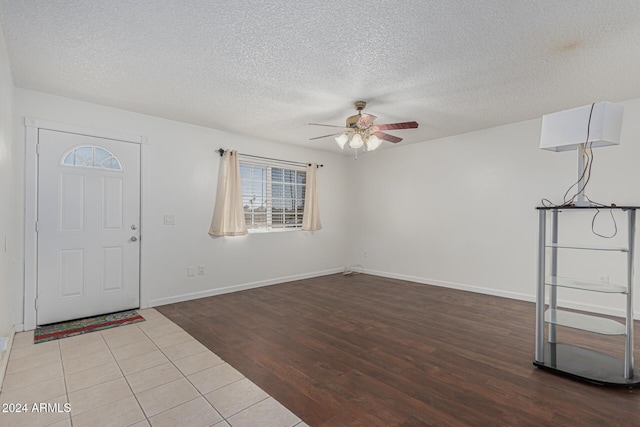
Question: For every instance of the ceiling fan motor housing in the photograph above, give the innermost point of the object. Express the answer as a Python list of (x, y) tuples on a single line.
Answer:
[(363, 126), (352, 120)]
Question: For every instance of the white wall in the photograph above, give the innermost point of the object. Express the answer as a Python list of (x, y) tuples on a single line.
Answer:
[(460, 211), (10, 208), (180, 171), (455, 212)]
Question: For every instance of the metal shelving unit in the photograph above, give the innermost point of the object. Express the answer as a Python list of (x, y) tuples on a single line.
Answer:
[(578, 362)]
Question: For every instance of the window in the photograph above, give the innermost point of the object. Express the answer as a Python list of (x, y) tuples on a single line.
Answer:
[(272, 196), (90, 156)]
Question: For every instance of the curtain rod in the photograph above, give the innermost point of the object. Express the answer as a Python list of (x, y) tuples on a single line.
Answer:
[(222, 150)]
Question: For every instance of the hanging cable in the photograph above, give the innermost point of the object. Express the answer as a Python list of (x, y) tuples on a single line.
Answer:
[(585, 177), (613, 219), (615, 226)]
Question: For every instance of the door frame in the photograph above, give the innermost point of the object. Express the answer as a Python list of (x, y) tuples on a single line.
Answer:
[(32, 127)]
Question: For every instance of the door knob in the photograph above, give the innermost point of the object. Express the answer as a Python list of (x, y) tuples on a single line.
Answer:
[(134, 239)]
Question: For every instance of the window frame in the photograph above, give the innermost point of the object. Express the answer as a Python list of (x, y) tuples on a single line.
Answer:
[(93, 162), (297, 201)]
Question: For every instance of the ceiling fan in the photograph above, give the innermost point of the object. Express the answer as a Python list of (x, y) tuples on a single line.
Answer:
[(360, 130)]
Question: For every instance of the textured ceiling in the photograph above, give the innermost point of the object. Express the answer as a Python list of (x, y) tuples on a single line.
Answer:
[(266, 69)]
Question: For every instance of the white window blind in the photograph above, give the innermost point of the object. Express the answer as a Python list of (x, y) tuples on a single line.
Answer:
[(272, 194)]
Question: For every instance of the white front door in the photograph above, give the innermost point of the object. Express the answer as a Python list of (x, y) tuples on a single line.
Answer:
[(88, 226)]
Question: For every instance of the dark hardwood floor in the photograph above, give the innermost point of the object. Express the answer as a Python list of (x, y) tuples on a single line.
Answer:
[(369, 351)]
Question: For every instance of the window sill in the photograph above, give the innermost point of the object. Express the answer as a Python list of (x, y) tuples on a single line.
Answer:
[(272, 230)]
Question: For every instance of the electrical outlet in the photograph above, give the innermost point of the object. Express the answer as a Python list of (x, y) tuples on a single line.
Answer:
[(604, 278), (364, 254), (191, 270), (169, 220), (201, 270)]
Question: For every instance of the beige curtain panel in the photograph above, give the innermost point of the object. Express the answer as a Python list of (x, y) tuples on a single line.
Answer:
[(228, 215), (311, 217)]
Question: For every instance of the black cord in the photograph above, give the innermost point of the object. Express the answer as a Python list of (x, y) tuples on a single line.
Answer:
[(586, 171), (615, 226), (613, 219), (586, 175)]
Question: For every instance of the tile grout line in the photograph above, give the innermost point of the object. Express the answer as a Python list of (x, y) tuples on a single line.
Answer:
[(226, 419), (103, 339), (109, 348), (253, 404), (64, 378), (183, 375), (172, 363), (125, 377)]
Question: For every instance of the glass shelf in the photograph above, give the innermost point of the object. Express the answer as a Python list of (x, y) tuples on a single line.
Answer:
[(587, 247), (565, 282), (584, 322)]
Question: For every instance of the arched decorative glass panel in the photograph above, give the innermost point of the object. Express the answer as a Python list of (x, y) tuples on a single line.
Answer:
[(91, 156)]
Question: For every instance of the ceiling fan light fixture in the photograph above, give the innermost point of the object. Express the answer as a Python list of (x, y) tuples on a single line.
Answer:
[(361, 129), (356, 141), (342, 140), (373, 142)]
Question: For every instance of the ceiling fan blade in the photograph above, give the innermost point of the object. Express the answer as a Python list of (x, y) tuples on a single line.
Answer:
[(320, 124), (365, 120), (387, 137), (403, 125), (324, 136)]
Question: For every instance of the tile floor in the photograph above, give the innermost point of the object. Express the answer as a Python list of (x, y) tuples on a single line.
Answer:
[(149, 373)]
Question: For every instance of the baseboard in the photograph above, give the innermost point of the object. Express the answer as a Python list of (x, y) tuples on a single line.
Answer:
[(504, 294), (5, 356), (240, 287), (453, 285), (445, 284)]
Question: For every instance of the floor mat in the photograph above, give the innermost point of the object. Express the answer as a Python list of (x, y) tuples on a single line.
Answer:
[(82, 326)]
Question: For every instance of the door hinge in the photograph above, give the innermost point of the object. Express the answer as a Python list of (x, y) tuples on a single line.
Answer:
[(36, 304), (38, 149), (37, 226)]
